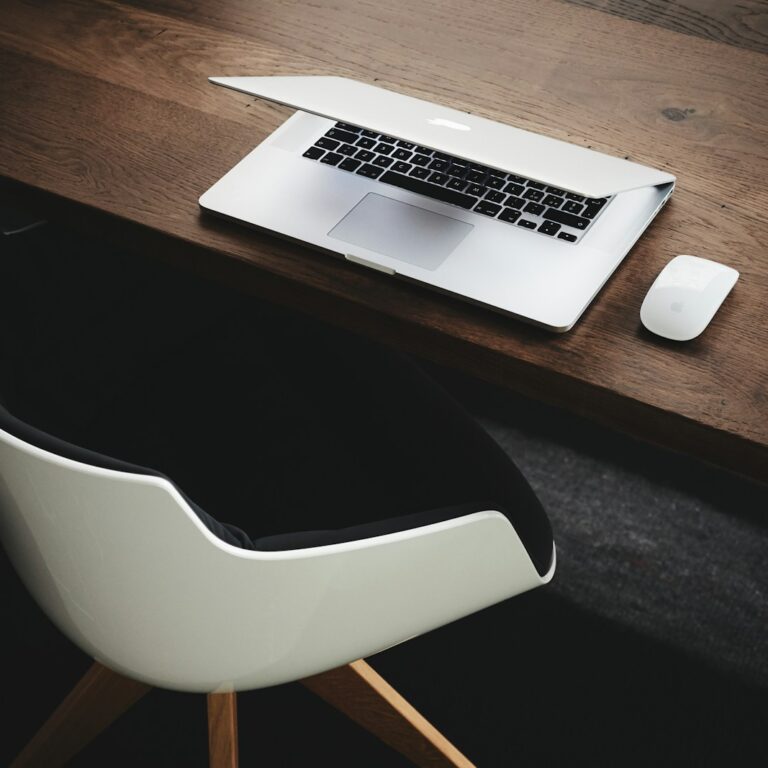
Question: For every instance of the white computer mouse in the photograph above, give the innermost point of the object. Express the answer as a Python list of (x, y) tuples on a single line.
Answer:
[(685, 296)]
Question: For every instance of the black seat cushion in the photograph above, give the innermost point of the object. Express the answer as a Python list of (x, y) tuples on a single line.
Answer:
[(231, 534)]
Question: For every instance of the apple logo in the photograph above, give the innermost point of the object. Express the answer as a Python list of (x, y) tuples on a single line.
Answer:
[(676, 306), (441, 121)]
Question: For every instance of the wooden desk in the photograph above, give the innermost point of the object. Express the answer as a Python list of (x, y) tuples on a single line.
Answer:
[(106, 118)]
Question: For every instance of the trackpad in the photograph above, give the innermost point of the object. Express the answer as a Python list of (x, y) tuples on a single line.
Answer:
[(402, 231)]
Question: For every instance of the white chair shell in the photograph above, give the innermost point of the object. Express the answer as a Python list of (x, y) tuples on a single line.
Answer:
[(128, 572)]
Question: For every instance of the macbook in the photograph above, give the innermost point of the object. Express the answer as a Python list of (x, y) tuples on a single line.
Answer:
[(521, 223)]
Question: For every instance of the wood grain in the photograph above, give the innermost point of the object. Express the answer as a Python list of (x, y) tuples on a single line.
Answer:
[(91, 707), (222, 730), (105, 117), (478, 57), (364, 696), (743, 24)]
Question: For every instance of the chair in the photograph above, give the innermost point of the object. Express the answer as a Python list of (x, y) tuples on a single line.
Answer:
[(127, 569)]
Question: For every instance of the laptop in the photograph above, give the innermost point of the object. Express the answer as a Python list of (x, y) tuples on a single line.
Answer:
[(524, 224)]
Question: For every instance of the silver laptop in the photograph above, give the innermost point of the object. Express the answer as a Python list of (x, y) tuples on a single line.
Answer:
[(524, 224)]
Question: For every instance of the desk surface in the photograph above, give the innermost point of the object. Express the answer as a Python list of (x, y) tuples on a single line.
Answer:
[(106, 117)]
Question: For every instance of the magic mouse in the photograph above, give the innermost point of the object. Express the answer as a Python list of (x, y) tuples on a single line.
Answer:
[(685, 296)]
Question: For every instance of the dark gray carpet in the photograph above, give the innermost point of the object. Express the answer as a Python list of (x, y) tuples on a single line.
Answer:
[(660, 543)]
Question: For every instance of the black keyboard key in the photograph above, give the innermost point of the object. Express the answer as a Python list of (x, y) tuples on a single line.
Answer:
[(535, 208), (537, 185), (420, 173), (402, 167), (438, 155), (349, 164), (549, 228), (345, 136), (495, 182), (348, 127), (516, 179), (593, 207), (572, 207), (387, 139), (347, 149), (590, 211), (326, 143), (510, 215), (489, 209), (476, 176), (313, 153), (383, 148), (457, 169), (383, 161), (495, 196), (569, 219), (574, 196), (369, 134), (366, 143), (556, 191), (515, 202), (513, 188), (365, 155), (371, 171), (438, 178), (438, 165), (332, 158), (527, 223), (476, 189), (430, 190), (552, 200), (457, 184), (405, 144), (533, 194), (418, 159), (567, 236), (402, 154)]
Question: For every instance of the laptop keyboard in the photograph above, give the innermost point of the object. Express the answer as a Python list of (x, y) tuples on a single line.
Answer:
[(507, 197)]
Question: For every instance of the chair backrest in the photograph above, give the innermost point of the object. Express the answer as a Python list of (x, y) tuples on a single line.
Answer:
[(127, 571)]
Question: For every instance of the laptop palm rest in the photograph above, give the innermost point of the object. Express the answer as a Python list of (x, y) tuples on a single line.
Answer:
[(401, 231)]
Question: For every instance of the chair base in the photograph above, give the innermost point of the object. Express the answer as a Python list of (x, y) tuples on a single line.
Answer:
[(98, 699), (356, 689), (366, 697), (222, 730)]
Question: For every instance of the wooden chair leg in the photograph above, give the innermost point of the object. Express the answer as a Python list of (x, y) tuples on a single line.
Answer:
[(222, 730), (93, 705), (363, 695)]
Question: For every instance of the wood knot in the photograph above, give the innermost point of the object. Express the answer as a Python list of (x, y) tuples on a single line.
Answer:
[(675, 114)]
